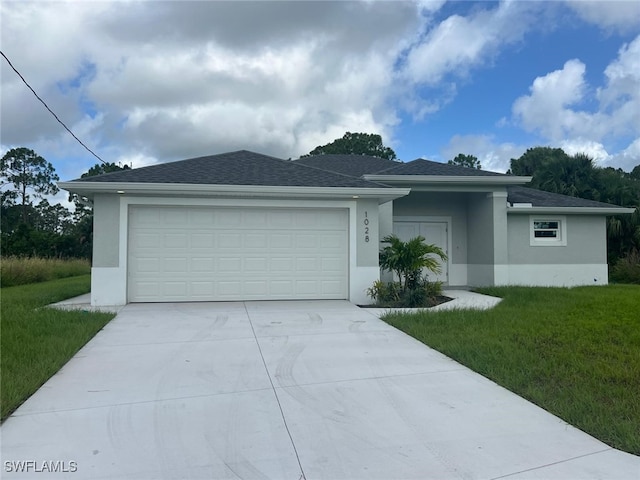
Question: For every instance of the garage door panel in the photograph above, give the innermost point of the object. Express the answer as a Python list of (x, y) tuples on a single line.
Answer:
[(306, 242), (147, 240), (175, 217), (200, 264), (175, 240), (255, 219), (281, 288), (331, 264), (255, 288), (255, 240), (177, 289), (306, 264), (202, 289), (146, 265), (329, 287), (176, 265), (280, 264), (280, 240), (226, 265), (229, 240), (280, 219), (229, 289), (201, 217), (209, 254), (256, 264), (202, 240), (144, 217)]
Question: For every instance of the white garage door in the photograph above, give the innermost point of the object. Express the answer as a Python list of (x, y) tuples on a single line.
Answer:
[(214, 254)]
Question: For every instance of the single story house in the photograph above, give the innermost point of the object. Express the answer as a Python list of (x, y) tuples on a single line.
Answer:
[(246, 226)]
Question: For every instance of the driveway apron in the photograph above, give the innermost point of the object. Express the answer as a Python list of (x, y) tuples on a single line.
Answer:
[(283, 390)]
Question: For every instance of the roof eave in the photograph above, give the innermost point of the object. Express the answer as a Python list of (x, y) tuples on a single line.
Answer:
[(89, 189), (571, 210), (449, 179)]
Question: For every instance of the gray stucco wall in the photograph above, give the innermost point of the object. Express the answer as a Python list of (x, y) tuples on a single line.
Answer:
[(439, 204), (586, 242), (368, 243), (480, 229), (106, 230)]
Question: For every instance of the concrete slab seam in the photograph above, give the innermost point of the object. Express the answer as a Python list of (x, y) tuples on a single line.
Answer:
[(275, 393), (552, 464), (367, 379), (141, 402)]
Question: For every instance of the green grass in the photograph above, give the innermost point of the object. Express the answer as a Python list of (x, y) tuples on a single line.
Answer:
[(36, 342), (574, 352), (21, 271)]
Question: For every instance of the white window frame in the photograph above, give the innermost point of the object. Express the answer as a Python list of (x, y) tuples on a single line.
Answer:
[(559, 241)]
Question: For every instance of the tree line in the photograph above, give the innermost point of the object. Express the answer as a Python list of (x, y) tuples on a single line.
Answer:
[(29, 224), (553, 170), (51, 230)]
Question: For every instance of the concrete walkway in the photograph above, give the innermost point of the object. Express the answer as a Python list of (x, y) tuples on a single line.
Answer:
[(462, 299), (284, 390)]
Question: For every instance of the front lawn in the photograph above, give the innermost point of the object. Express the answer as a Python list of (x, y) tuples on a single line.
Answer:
[(36, 342), (574, 352)]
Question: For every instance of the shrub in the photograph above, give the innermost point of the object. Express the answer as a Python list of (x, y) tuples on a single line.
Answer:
[(627, 269), (385, 293), (392, 294), (20, 271), (407, 260), (433, 289)]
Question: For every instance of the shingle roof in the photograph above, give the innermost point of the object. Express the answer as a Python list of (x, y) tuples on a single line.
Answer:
[(428, 167), (353, 165), (540, 198), (235, 168)]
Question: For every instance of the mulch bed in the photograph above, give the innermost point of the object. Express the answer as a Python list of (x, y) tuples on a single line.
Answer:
[(437, 301)]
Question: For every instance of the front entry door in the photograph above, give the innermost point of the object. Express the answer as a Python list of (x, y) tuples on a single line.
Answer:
[(435, 233)]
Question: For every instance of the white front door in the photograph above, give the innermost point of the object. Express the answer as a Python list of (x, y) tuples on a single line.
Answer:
[(435, 233)]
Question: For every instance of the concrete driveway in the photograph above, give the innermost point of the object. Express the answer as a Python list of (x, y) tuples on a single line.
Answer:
[(284, 390)]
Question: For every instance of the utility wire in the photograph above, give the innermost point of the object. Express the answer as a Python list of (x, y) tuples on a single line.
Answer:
[(50, 111)]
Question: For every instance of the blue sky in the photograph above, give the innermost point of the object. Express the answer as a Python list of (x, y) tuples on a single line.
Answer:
[(149, 82)]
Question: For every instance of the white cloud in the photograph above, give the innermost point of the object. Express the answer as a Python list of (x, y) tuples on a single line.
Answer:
[(459, 43), (546, 107), (595, 150), (556, 106), (495, 157), (627, 159), (176, 79), (609, 14), (147, 82)]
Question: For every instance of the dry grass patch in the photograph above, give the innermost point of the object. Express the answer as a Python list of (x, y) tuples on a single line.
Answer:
[(21, 271)]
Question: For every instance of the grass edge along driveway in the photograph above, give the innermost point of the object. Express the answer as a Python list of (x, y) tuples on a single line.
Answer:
[(573, 351), (36, 342)]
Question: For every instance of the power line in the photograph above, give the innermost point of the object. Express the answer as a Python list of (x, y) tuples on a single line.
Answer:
[(50, 111)]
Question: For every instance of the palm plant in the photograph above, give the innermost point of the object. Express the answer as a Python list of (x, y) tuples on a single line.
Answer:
[(408, 259)]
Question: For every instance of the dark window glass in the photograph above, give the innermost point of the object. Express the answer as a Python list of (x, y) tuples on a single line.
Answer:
[(545, 225), (545, 234)]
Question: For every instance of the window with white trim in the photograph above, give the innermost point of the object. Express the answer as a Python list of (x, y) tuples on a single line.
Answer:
[(548, 231)]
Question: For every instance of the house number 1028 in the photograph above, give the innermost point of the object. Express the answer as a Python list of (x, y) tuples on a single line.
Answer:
[(366, 227)]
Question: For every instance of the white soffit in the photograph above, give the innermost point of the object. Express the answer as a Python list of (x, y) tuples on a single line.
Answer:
[(88, 189), (571, 210), (449, 179)]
